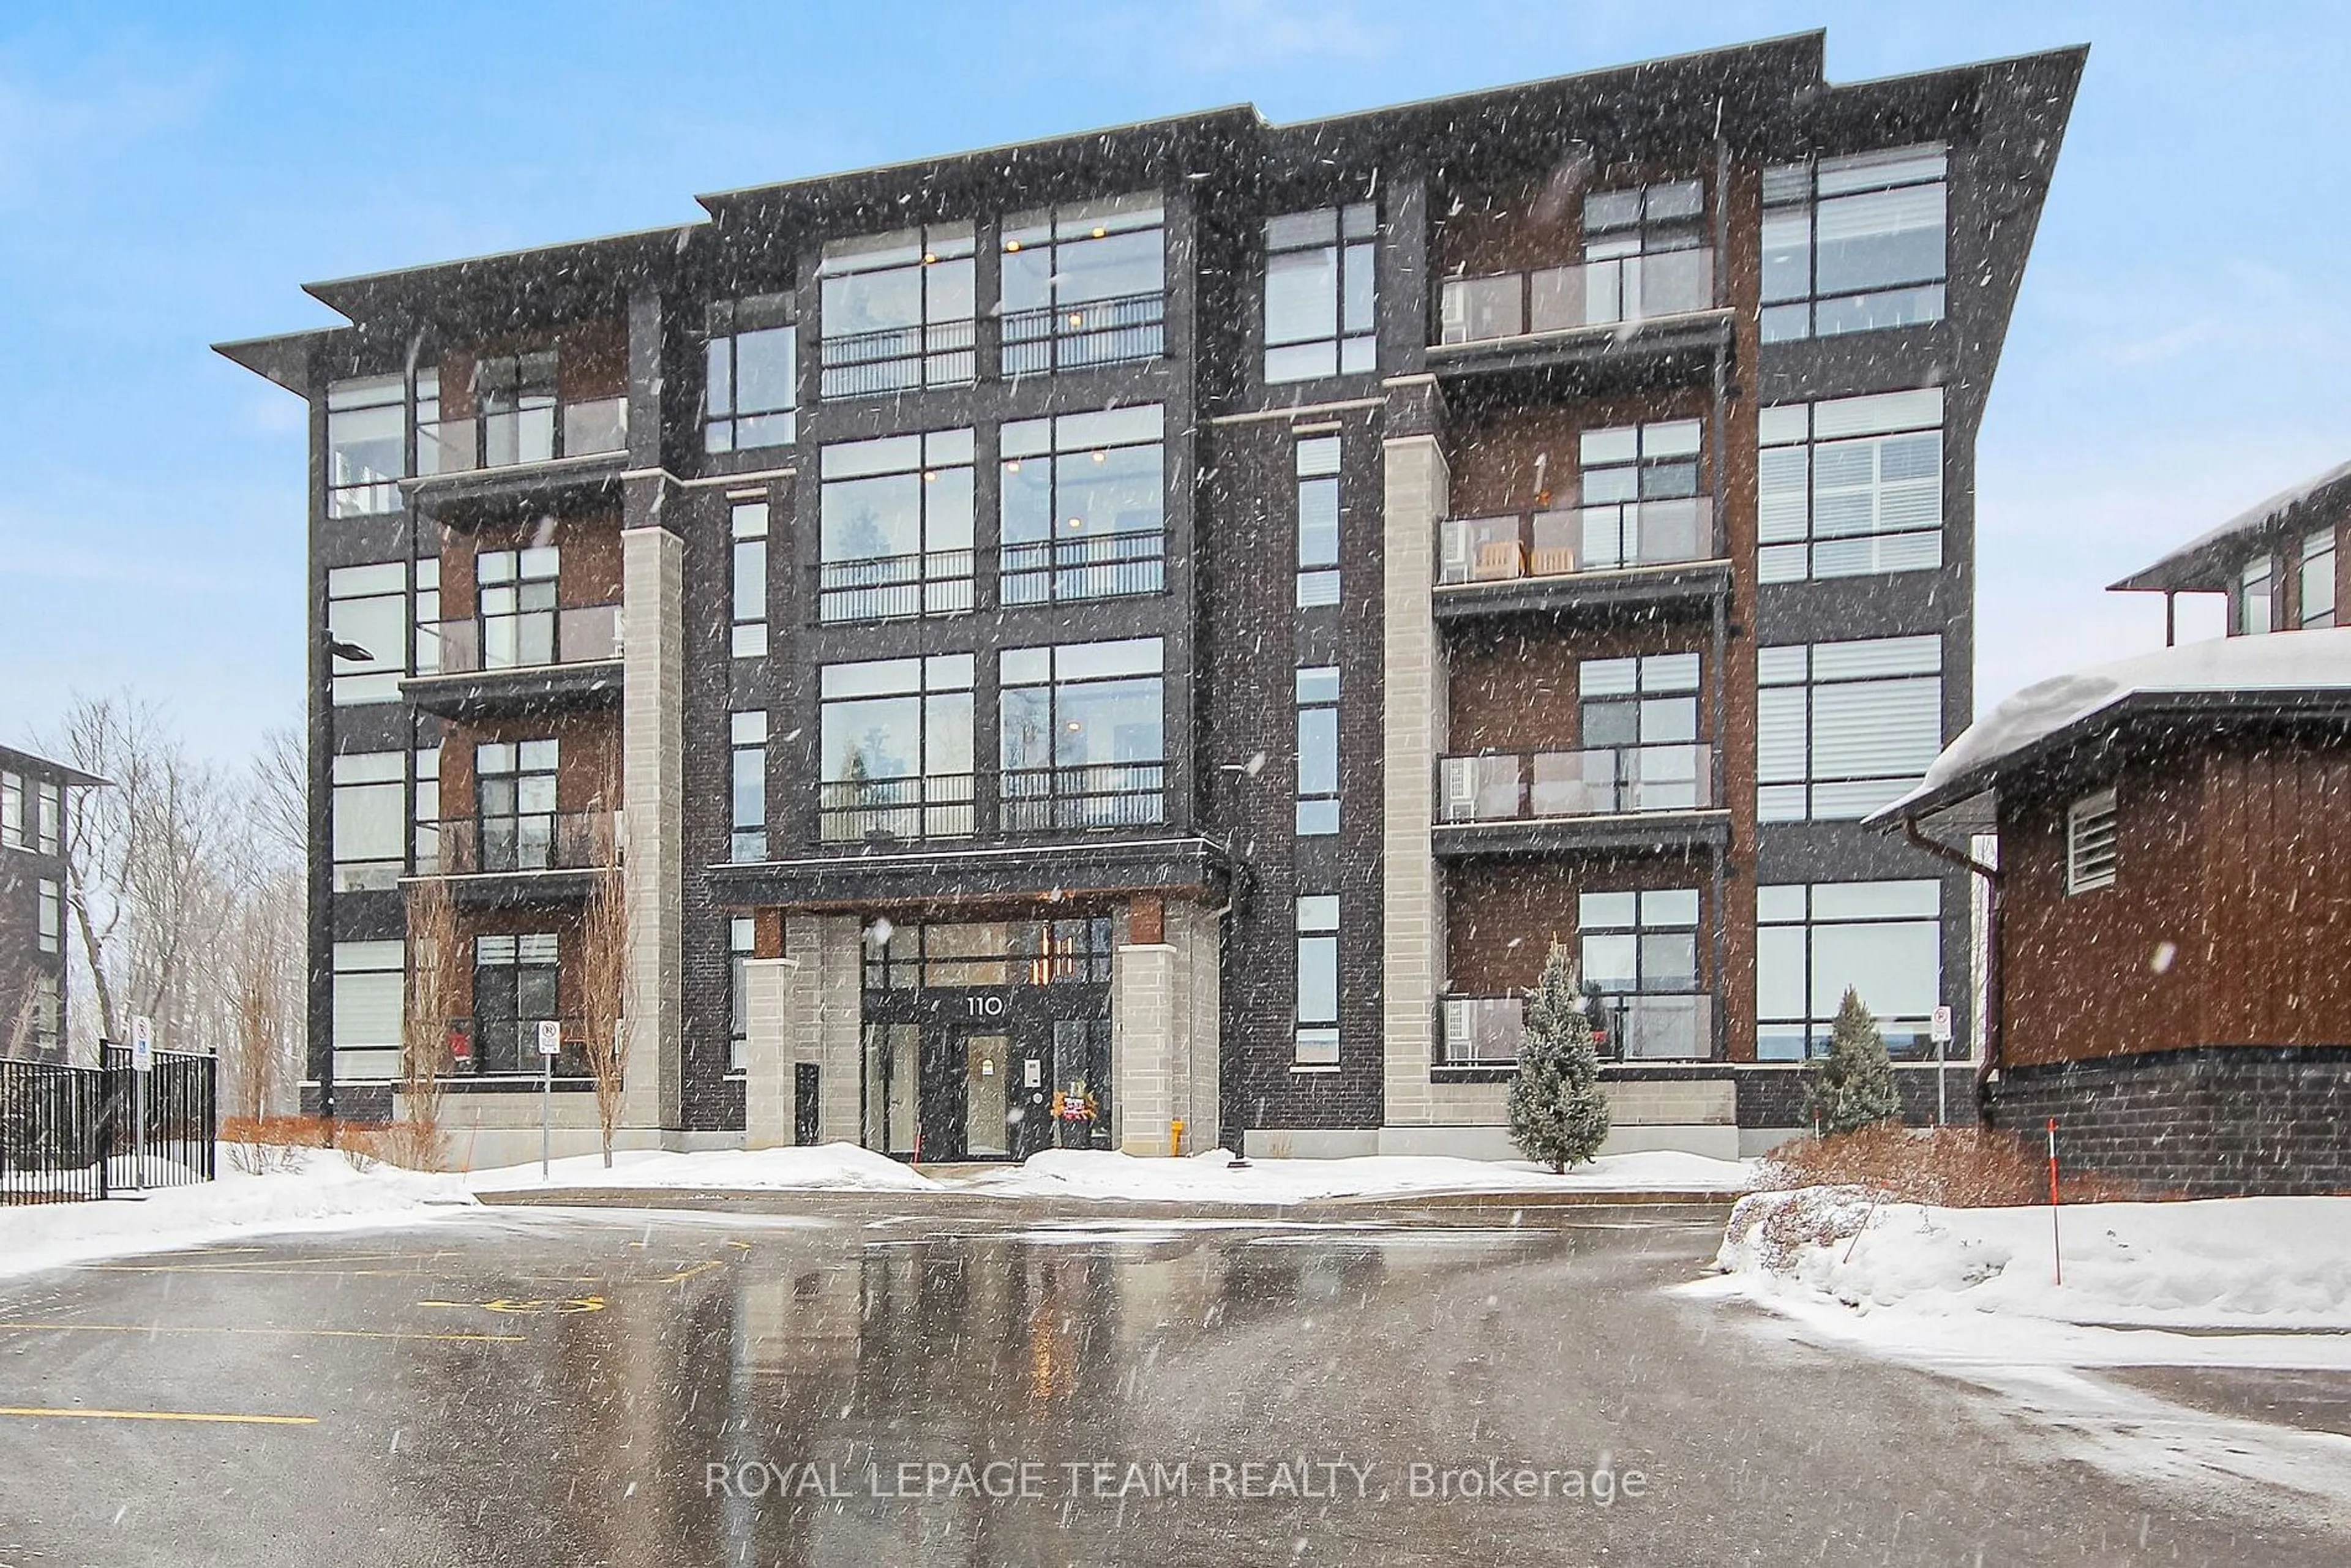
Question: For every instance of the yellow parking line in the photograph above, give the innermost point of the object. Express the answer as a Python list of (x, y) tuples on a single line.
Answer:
[(687, 1273), (35, 1412), (202, 1328)]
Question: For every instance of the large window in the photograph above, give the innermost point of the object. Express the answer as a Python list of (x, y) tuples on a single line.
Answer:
[(1638, 721), (48, 928), (1843, 727), (1850, 486), (894, 527), (515, 988), (1318, 750), (1640, 972), (1884, 939), (2318, 579), (1084, 285), (1644, 251), (992, 953), (516, 393), (896, 748), (1084, 499), (1318, 521), (752, 374), (897, 312), (1317, 980), (748, 522), (1640, 496), (1853, 244), (514, 599), (12, 811), (370, 978), (1082, 735), (369, 814), (746, 735), (427, 823), (366, 430), (514, 792), (1320, 299), (368, 605)]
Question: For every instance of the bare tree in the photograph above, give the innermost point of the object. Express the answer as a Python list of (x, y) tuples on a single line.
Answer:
[(436, 974), (606, 982)]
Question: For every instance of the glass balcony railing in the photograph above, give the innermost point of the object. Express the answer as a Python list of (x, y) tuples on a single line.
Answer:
[(1576, 539), (1640, 1026), (525, 842), (540, 431), (527, 640), (1535, 786), (1619, 291)]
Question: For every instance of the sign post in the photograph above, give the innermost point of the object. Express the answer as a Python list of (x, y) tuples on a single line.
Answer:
[(1940, 1031), (142, 1061), (550, 1046)]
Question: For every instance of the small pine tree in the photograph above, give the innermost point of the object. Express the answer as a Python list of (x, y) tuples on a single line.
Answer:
[(1559, 1114), (1853, 1086)]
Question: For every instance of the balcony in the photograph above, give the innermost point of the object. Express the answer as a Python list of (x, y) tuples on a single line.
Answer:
[(1634, 553), (1084, 797), (1635, 305), (1083, 334), (897, 360), (1645, 1026), (544, 455), (1620, 798), (528, 856), (893, 587), (891, 811), (536, 659), (1105, 566)]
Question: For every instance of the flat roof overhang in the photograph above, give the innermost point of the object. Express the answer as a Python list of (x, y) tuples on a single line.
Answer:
[(877, 877), (1663, 351), (566, 487), (488, 693), (516, 889), (1631, 594)]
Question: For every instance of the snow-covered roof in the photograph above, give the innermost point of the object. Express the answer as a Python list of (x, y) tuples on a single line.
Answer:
[(2199, 563), (2276, 671)]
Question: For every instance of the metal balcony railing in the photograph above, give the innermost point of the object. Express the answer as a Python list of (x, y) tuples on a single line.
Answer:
[(897, 358), (525, 842), (1084, 333), (540, 432), (1101, 565), (855, 810), (1089, 795), (1616, 292), (529, 640), (1640, 1026), (1610, 781), (893, 587), (1575, 540)]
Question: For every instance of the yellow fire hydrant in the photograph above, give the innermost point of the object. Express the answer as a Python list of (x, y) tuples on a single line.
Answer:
[(1176, 1138)]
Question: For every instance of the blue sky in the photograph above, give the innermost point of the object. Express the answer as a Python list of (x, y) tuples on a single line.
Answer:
[(171, 174)]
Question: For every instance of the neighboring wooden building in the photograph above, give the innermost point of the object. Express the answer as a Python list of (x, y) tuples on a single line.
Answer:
[(2171, 914)]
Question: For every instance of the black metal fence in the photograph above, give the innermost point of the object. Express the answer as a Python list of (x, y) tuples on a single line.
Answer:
[(70, 1133)]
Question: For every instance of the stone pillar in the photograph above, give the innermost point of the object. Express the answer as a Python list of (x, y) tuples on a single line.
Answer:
[(1166, 1035), (1412, 937), (652, 702), (805, 1007), (769, 995)]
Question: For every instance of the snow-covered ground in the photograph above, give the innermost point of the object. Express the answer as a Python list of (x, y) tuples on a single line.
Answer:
[(1215, 1178), (322, 1191), (2230, 1286), (831, 1168)]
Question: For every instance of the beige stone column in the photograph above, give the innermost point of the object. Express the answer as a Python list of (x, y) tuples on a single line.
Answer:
[(805, 1007), (653, 704), (769, 996), (1166, 1035), (1413, 937)]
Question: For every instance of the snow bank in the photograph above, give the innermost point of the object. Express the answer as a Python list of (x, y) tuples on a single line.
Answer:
[(836, 1167), (1216, 1177), (321, 1192), (2249, 1265)]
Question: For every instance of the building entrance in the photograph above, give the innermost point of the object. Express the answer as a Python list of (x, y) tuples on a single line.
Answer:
[(998, 1070)]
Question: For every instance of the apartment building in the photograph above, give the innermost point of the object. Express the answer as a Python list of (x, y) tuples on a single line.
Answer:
[(1168, 624), (36, 796)]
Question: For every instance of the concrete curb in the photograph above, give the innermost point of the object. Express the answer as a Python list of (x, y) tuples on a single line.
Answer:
[(1450, 1208)]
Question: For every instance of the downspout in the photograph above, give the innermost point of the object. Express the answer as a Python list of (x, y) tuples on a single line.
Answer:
[(1993, 1009)]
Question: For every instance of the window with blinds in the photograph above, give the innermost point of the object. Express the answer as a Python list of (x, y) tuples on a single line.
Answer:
[(1850, 487), (1854, 243), (2090, 856), (1843, 727), (368, 984)]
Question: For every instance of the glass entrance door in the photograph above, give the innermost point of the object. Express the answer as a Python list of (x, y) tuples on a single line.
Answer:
[(986, 1097)]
